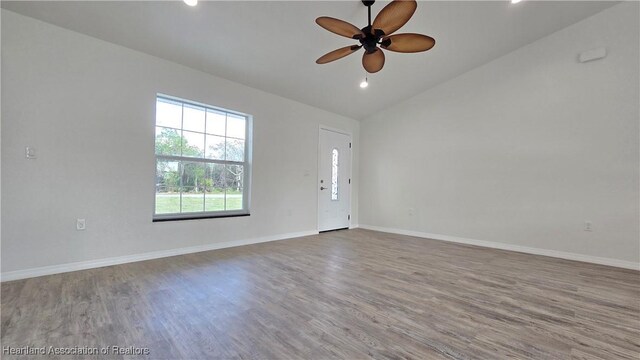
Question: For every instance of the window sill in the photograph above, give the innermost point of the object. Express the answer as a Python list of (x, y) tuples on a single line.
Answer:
[(198, 217)]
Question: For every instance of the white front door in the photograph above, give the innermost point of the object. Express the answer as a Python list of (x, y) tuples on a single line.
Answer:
[(334, 183)]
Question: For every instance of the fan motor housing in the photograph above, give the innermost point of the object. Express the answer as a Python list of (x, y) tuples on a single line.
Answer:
[(370, 41)]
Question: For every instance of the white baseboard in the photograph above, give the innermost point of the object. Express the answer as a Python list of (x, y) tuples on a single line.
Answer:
[(91, 264), (518, 248)]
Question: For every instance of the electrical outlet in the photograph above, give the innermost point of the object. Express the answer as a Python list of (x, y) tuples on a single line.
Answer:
[(588, 226), (81, 224)]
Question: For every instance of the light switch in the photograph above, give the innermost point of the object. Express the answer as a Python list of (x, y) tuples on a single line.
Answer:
[(30, 152)]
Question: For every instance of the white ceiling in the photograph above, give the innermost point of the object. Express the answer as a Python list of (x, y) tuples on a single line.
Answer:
[(273, 45)]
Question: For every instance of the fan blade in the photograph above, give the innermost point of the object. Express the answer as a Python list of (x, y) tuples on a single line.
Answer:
[(373, 62), (393, 16), (337, 54), (339, 27), (408, 43)]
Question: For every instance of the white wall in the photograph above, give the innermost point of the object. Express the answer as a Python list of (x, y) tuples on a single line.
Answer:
[(87, 106), (1, 146), (520, 151)]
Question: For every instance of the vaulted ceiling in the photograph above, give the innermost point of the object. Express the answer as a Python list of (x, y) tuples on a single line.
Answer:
[(273, 45)]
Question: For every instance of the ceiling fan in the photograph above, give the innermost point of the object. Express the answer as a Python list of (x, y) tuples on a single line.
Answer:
[(377, 36)]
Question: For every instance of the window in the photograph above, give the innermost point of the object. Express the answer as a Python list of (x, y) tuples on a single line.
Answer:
[(202, 161), (334, 174)]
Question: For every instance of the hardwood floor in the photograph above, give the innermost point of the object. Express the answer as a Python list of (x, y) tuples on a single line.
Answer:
[(352, 294)]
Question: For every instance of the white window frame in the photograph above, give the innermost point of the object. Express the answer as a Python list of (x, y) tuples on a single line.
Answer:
[(247, 163)]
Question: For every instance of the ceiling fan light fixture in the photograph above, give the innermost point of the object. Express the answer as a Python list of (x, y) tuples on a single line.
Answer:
[(191, 2)]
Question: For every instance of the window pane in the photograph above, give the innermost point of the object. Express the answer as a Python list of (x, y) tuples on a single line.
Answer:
[(215, 185), (167, 187), (235, 150), (192, 144), (216, 122), (192, 200), (234, 199), (168, 113), (334, 174), (214, 201), (193, 186), (234, 177), (193, 118), (193, 175), (235, 126), (215, 147), (168, 141)]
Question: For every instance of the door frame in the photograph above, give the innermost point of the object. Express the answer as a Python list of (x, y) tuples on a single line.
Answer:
[(350, 135)]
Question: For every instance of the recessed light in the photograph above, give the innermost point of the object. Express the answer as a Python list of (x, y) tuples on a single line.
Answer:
[(191, 2)]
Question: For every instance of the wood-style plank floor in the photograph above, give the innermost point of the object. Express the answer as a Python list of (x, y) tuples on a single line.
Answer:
[(352, 294)]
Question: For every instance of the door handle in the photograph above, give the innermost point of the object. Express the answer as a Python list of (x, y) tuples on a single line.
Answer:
[(322, 187)]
